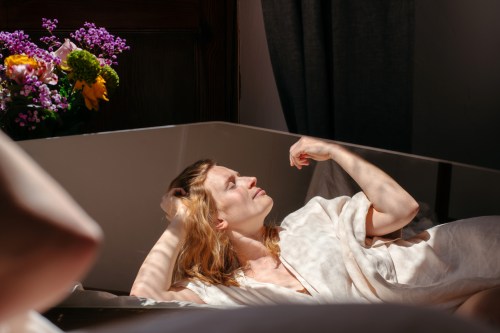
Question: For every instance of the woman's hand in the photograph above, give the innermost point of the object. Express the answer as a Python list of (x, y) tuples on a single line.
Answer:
[(309, 148), (171, 204)]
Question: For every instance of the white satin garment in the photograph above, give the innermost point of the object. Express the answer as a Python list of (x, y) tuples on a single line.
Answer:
[(324, 245)]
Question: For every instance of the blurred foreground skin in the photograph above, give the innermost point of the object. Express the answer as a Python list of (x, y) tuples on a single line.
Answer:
[(355, 318), (47, 242)]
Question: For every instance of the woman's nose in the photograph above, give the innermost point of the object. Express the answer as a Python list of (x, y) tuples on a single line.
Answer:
[(252, 181)]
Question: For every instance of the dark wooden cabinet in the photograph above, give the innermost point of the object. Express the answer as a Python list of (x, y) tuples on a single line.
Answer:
[(182, 66)]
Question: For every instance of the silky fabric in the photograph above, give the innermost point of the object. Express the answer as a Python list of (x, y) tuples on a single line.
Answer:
[(324, 245)]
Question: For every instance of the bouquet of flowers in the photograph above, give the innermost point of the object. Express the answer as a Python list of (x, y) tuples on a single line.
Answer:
[(51, 91)]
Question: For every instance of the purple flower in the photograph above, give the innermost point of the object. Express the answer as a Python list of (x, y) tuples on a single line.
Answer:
[(51, 41), (18, 42), (100, 42), (48, 24)]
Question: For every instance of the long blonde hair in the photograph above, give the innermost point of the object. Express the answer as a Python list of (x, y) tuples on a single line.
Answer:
[(207, 254)]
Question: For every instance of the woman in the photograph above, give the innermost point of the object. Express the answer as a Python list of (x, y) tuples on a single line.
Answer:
[(217, 249)]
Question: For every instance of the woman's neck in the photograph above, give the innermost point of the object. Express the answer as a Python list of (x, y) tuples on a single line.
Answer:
[(254, 257), (249, 248)]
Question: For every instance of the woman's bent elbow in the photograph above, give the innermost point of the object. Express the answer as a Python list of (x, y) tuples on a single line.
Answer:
[(141, 290), (413, 209)]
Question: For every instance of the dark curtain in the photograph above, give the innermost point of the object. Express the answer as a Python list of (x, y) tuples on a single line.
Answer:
[(344, 68)]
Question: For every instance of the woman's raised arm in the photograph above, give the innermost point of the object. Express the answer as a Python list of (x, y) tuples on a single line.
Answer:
[(154, 279), (392, 207)]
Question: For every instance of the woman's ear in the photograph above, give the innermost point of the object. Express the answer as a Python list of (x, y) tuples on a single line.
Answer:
[(221, 224)]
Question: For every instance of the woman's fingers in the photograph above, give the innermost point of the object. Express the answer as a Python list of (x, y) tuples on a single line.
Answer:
[(298, 154), (306, 149), (293, 155), (300, 160), (171, 202)]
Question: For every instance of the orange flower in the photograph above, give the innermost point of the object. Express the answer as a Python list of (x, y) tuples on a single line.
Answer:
[(18, 66), (93, 92)]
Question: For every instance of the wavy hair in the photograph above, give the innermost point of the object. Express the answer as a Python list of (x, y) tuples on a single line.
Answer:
[(206, 253)]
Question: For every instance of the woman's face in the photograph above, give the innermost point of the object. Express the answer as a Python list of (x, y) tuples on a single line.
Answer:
[(242, 206)]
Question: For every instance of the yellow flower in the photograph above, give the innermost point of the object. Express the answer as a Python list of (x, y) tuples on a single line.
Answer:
[(20, 59), (93, 92), (18, 66)]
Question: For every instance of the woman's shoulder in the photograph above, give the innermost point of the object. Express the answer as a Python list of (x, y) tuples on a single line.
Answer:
[(318, 203), (319, 211)]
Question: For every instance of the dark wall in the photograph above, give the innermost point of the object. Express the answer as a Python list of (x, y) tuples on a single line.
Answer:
[(456, 97), (182, 64), (456, 112)]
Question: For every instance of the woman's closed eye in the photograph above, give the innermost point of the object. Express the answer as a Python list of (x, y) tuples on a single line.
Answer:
[(231, 183)]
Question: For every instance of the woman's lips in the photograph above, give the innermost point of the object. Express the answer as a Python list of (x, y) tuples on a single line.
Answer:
[(259, 192)]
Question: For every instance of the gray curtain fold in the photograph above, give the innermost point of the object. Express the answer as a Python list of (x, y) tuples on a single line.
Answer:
[(344, 68)]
